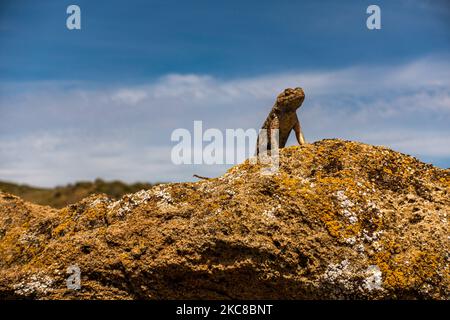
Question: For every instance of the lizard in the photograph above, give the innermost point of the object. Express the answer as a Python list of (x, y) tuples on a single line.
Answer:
[(283, 117)]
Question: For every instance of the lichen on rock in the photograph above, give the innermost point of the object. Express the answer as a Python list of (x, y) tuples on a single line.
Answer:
[(339, 220)]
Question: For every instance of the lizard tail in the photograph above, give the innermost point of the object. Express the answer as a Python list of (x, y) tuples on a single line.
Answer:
[(200, 177)]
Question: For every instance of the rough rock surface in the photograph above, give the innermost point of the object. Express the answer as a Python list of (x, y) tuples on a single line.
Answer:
[(338, 220)]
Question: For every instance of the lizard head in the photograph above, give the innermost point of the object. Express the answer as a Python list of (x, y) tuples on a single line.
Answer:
[(291, 99)]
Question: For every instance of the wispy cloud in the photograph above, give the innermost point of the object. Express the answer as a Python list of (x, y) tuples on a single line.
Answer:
[(53, 133)]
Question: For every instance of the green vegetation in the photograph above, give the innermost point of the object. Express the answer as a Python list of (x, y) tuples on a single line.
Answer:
[(62, 196)]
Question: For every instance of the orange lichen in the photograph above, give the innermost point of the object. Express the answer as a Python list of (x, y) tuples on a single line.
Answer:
[(332, 205)]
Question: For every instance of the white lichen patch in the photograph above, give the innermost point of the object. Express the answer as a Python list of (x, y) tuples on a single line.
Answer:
[(372, 205), (346, 206), (351, 216), (99, 201), (344, 200), (444, 218), (164, 197), (28, 238), (113, 205), (373, 237), (377, 246), (342, 277), (269, 213), (336, 272), (36, 284), (374, 279), (141, 197), (230, 192), (129, 202)]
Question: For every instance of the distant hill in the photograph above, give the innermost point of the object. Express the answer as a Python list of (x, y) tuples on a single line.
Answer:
[(61, 196)]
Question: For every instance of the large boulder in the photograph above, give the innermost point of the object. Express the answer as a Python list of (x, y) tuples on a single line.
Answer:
[(339, 219)]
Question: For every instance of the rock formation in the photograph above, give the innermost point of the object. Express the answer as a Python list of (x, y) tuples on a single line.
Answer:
[(338, 220)]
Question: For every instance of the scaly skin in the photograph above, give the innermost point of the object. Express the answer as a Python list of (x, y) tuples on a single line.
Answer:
[(284, 118)]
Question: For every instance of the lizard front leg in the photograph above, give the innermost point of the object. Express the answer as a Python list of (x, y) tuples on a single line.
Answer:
[(274, 125), (264, 141), (299, 133)]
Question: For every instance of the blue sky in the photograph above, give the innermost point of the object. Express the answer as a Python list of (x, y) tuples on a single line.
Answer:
[(103, 101), (140, 40)]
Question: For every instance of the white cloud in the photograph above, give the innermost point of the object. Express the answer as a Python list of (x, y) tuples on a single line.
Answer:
[(129, 96), (58, 133)]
